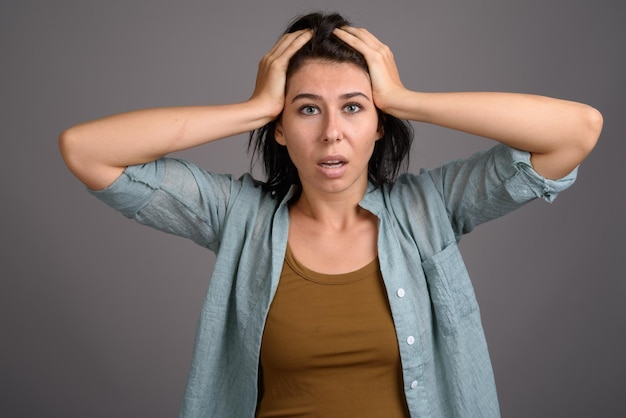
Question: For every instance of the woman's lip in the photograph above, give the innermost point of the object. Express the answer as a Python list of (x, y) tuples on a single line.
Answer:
[(332, 159), (332, 169)]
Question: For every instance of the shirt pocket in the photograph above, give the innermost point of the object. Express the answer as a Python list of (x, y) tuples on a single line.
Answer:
[(451, 291)]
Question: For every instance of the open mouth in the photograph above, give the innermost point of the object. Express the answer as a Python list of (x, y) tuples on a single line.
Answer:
[(332, 164)]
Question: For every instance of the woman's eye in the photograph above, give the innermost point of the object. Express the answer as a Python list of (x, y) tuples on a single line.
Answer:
[(352, 107), (309, 110)]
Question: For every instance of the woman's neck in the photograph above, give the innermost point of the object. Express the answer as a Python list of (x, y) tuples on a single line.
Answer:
[(338, 211)]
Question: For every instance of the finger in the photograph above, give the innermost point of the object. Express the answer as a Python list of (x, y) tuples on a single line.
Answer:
[(298, 42), (293, 40), (358, 37), (375, 52), (382, 67), (273, 66), (287, 37)]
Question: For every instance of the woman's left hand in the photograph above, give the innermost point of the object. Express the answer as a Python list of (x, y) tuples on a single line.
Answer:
[(386, 84), (558, 133)]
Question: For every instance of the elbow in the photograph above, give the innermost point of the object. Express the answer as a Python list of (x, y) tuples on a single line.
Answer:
[(592, 127), (68, 146), (75, 152), (577, 142), (65, 145), (82, 156)]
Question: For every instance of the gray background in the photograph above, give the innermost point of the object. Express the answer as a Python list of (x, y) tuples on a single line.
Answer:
[(97, 314)]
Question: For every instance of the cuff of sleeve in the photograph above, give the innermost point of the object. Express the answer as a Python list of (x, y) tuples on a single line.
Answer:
[(535, 183), (133, 189)]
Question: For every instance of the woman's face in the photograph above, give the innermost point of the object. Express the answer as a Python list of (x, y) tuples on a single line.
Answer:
[(329, 126)]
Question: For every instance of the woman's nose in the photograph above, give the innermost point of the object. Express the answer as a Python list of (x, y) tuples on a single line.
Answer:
[(332, 129)]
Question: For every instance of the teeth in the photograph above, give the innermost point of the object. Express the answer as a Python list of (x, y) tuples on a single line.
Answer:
[(332, 164)]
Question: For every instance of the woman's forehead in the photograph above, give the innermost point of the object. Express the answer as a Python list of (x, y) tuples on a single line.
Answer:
[(323, 77)]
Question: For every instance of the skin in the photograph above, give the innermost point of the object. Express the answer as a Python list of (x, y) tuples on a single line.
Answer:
[(329, 115), (326, 222), (329, 127), (98, 151), (558, 133)]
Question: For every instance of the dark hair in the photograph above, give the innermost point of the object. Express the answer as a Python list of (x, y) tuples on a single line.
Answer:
[(390, 153)]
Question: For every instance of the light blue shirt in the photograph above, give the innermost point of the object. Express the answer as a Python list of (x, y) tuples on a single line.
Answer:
[(445, 362)]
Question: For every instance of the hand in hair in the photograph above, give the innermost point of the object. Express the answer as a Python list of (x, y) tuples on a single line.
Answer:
[(558, 133), (386, 83), (272, 74), (97, 152)]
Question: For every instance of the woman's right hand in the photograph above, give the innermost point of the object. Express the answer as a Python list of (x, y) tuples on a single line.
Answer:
[(97, 152), (269, 91)]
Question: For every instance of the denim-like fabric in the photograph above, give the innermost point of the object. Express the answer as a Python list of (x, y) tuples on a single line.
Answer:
[(446, 366)]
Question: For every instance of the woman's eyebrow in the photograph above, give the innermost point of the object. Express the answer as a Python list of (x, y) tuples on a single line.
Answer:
[(353, 94), (311, 96)]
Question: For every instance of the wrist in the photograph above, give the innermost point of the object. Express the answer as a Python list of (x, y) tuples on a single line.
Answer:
[(404, 104), (263, 111)]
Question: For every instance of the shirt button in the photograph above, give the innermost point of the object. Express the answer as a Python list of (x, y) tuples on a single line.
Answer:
[(410, 340), (401, 293), (414, 384)]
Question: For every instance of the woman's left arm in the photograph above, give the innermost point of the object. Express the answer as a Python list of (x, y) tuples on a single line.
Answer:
[(559, 134)]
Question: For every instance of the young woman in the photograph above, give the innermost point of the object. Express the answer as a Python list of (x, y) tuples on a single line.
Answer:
[(338, 288)]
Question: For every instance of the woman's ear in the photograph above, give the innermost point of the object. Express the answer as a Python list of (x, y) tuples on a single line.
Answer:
[(381, 124), (380, 132), (279, 134)]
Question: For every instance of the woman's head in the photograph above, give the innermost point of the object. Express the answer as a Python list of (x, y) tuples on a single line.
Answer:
[(324, 45), (390, 152)]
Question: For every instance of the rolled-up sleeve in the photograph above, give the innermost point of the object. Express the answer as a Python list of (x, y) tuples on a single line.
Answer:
[(173, 196), (134, 188), (533, 182), (490, 184)]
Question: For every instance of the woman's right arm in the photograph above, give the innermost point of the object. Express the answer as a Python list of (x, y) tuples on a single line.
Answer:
[(97, 152)]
